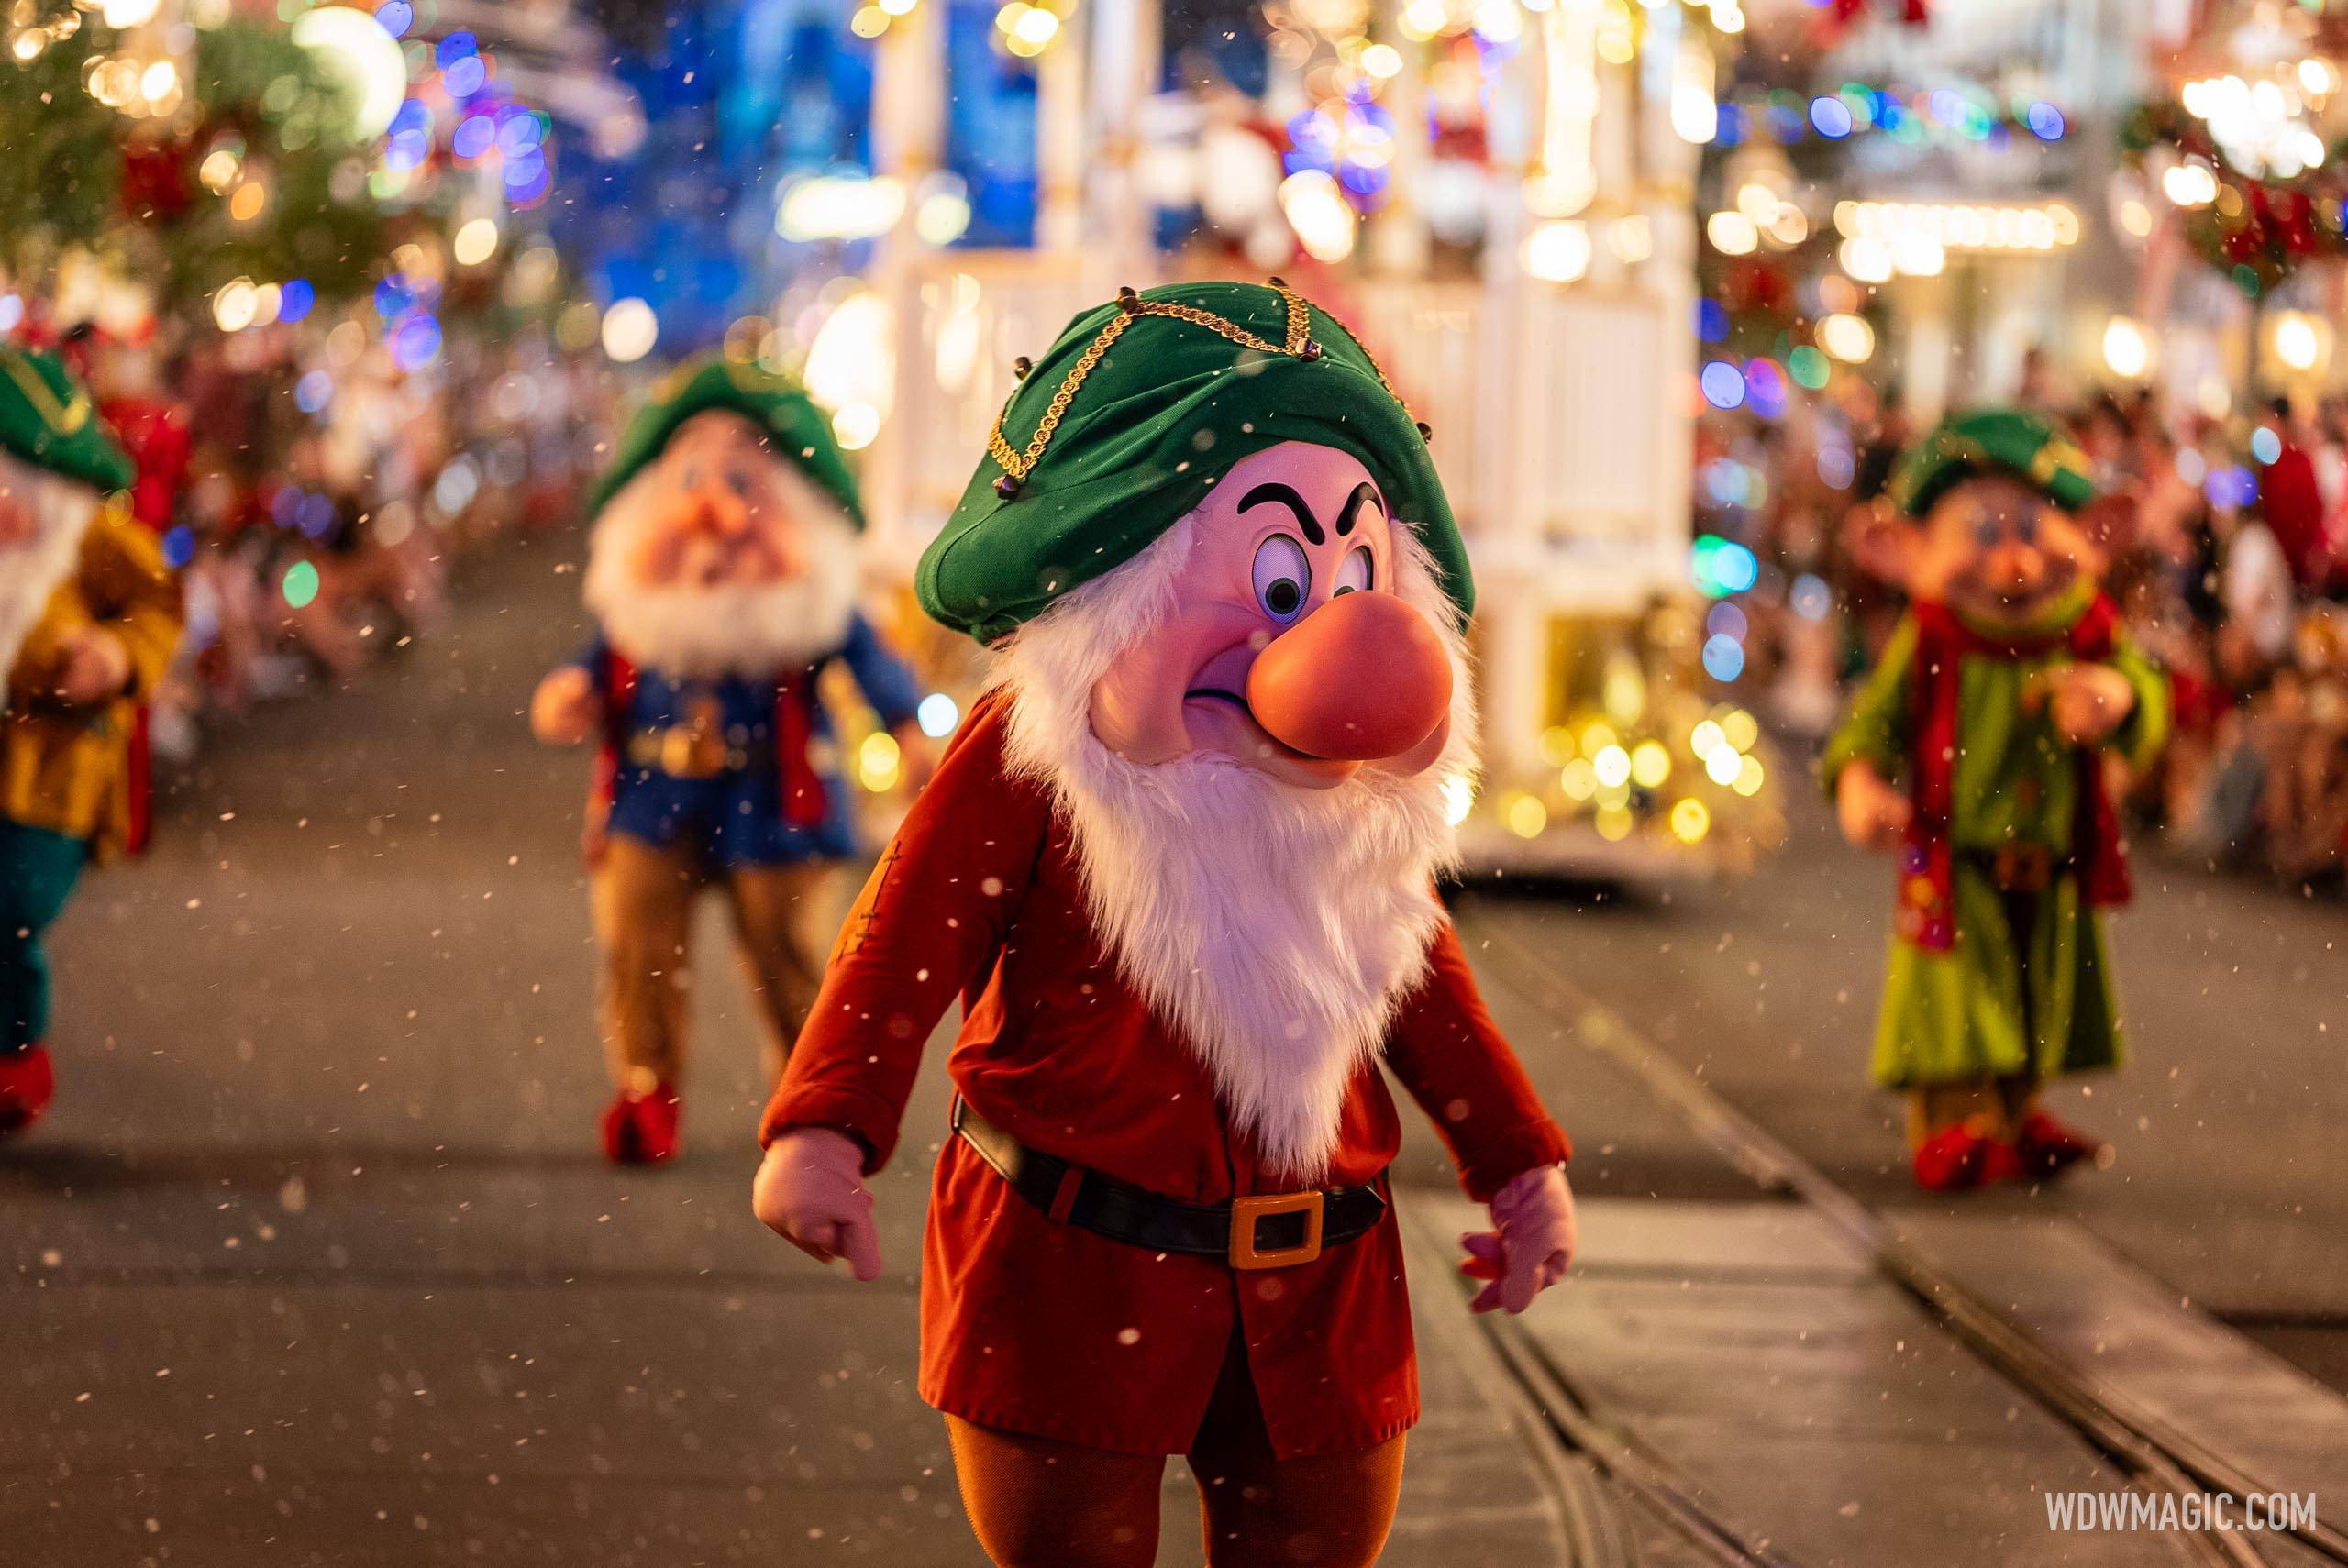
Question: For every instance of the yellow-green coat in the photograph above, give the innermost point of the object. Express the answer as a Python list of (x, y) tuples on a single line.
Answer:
[(64, 768), (1998, 1002)]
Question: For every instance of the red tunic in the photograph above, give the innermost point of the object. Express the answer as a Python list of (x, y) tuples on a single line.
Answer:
[(1038, 1327)]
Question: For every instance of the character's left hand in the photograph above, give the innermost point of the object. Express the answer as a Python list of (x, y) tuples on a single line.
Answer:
[(2090, 702), (97, 667), (1531, 1244)]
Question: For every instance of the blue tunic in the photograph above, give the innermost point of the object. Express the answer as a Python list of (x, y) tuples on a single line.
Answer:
[(736, 817)]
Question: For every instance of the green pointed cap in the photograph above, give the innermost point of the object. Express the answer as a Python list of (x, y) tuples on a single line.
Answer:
[(1992, 440), (774, 402), (1158, 394), (46, 420)]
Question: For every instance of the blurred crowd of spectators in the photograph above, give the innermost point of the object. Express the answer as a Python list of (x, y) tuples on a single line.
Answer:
[(314, 493), (2234, 575)]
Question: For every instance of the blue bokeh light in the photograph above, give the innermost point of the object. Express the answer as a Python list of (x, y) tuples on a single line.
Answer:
[(1723, 384), (937, 715)]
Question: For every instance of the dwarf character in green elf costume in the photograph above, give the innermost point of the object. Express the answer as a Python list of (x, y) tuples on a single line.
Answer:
[(1178, 866), (1978, 752), (89, 617)]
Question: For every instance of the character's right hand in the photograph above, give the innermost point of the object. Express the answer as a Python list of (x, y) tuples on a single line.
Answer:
[(563, 708), (1874, 814), (810, 1191)]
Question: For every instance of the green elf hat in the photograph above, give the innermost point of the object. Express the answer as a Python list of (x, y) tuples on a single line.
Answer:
[(1992, 440), (778, 405), (46, 420), (1127, 421)]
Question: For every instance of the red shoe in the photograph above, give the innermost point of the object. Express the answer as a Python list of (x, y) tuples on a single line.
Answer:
[(2044, 1148), (1954, 1159), (26, 1086), (641, 1128)]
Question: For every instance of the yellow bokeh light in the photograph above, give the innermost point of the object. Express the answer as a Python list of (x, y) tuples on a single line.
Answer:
[(878, 761), (1579, 780), (1557, 746), (234, 306), (1596, 737), (476, 242), (1526, 816), (1612, 766), (1650, 764), (1732, 232), (1691, 821), (1705, 739), (247, 203), (869, 22), (1722, 765), (1741, 730), (1422, 20), (1749, 776), (1614, 824), (855, 426)]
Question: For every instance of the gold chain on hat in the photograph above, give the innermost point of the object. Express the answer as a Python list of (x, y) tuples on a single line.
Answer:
[(1017, 465)]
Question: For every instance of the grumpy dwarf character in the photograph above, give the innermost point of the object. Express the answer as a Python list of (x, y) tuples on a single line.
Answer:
[(724, 570), (89, 617), (1976, 751), (1178, 866)]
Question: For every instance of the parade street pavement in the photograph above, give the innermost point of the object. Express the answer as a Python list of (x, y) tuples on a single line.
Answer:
[(316, 1262), (2231, 1182)]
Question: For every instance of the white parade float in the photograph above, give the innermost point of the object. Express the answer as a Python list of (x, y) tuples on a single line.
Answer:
[(1555, 369)]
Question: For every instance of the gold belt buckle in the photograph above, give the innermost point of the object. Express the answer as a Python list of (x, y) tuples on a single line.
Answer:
[(1246, 1211), (2024, 868), (690, 753)]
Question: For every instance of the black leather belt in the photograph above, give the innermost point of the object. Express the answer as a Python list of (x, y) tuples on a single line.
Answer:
[(1271, 1230)]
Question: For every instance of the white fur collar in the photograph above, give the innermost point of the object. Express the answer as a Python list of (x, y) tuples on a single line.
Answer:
[(32, 571), (1273, 929)]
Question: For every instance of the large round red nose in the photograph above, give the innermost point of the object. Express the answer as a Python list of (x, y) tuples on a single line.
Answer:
[(1361, 679)]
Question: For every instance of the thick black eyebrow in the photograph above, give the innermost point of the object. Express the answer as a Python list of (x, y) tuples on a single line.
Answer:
[(1352, 509), (1273, 490)]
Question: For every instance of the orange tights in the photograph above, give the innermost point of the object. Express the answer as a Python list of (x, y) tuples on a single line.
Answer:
[(1036, 1503)]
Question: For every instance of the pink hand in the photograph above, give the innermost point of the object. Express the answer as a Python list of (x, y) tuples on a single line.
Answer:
[(810, 1191), (1531, 1245)]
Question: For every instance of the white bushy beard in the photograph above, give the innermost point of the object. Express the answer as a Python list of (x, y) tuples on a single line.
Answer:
[(748, 629), (32, 571), (1274, 928)]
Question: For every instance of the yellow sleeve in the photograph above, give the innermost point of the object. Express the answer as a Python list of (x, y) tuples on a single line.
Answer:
[(133, 594), (40, 662), (2142, 735), (1874, 727)]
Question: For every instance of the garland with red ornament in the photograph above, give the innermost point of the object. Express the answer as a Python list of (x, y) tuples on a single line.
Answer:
[(1839, 16), (2256, 230)]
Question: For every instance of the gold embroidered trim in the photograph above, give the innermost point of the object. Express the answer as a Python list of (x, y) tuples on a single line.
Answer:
[(65, 418), (1017, 464)]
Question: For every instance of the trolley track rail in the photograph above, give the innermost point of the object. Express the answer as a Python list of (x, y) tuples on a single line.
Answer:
[(2152, 1453)]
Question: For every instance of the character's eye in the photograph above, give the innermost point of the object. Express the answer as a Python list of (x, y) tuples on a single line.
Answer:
[(1355, 572), (1985, 532), (2026, 530), (1283, 577), (738, 480)]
